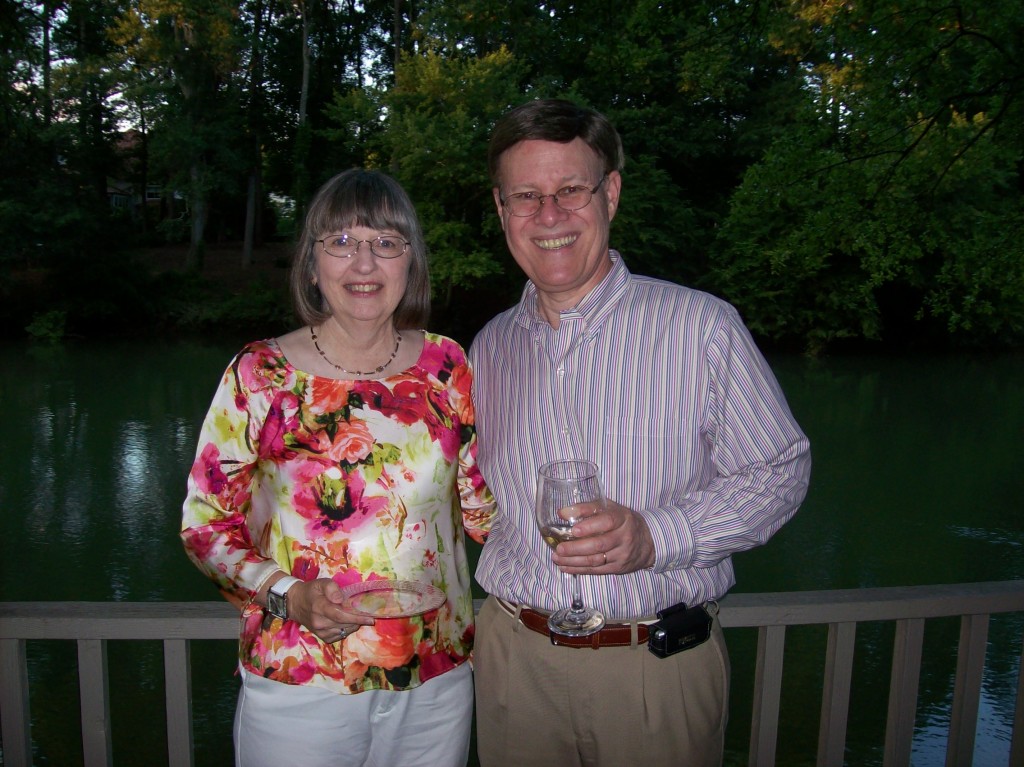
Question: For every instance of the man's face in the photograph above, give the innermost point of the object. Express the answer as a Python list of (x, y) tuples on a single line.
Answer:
[(564, 253)]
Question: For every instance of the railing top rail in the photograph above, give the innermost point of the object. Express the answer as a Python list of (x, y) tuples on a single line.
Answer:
[(118, 620), (790, 608), (219, 620)]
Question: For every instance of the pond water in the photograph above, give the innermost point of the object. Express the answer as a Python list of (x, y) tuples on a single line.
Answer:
[(916, 480)]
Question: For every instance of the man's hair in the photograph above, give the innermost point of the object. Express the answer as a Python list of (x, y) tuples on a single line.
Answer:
[(367, 198), (554, 120)]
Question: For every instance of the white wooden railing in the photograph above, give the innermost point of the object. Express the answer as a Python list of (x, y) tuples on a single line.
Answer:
[(176, 623)]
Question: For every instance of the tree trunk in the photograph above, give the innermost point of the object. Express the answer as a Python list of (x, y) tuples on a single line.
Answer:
[(47, 96), (199, 212), (396, 33), (304, 90), (301, 138), (144, 167), (250, 217), (253, 230)]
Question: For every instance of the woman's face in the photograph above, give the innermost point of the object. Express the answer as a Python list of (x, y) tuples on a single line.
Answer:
[(362, 288)]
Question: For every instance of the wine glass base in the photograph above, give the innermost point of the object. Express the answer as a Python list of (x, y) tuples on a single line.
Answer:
[(576, 624)]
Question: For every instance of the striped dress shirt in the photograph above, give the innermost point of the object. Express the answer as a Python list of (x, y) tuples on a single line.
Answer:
[(664, 389)]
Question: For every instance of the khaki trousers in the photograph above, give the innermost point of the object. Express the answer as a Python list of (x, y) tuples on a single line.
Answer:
[(542, 705)]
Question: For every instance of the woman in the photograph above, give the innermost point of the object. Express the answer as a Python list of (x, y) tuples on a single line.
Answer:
[(344, 453)]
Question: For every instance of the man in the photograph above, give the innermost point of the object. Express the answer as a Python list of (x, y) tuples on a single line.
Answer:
[(700, 457)]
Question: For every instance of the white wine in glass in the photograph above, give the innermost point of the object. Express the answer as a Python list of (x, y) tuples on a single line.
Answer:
[(562, 486)]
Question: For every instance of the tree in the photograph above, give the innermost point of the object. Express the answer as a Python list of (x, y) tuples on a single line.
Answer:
[(22, 121), (837, 170), (439, 116), (195, 42), (892, 202)]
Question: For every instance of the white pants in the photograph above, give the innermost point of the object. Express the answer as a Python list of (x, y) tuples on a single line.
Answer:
[(279, 724)]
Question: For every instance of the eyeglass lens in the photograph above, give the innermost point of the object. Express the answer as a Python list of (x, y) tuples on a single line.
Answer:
[(568, 198), (345, 246)]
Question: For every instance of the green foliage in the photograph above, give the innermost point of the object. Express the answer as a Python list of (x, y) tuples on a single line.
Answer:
[(48, 327), (441, 111), (655, 227), (900, 178), (191, 303), (453, 261), (840, 171)]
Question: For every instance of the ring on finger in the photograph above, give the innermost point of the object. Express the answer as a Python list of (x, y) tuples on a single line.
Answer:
[(605, 555)]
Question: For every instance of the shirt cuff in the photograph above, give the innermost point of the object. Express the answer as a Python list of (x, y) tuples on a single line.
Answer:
[(262, 575), (673, 538)]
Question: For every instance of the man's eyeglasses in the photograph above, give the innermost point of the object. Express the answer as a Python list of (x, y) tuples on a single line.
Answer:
[(567, 198), (345, 246)]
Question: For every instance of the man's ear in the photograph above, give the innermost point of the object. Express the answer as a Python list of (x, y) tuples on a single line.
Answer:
[(613, 186)]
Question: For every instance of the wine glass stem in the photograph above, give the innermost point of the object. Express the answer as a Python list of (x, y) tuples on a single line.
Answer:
[(577, 597)]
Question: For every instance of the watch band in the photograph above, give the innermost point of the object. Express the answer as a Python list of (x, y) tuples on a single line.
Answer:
[(277, 597)]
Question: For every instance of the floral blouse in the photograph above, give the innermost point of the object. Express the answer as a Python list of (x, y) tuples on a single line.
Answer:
[(351, 480)]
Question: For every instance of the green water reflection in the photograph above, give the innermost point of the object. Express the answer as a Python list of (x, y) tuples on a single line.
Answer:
[(916, 480)]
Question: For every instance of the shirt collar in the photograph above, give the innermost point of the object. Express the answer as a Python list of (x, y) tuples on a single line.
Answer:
[(595, 305)]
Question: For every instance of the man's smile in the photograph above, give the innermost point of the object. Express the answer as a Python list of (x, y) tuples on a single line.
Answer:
[(557, 243)]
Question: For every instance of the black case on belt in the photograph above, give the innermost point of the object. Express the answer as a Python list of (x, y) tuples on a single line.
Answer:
[(679, 628)]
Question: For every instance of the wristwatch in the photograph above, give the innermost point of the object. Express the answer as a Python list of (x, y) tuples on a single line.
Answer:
[(277, 597)]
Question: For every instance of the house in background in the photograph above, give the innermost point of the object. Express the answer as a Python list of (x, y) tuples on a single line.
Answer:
[(131, 191)]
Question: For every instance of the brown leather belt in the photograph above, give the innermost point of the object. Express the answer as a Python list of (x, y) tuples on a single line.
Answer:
[(612, 635)]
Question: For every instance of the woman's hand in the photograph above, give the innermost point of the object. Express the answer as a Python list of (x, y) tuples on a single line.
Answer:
[(317, 606)]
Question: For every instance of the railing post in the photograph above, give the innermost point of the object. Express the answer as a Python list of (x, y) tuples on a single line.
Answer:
[(1017, 742), (906, 673), (14, 710), (970, 669), (95, 696), (764, 729), (178, 696), (835, 698)]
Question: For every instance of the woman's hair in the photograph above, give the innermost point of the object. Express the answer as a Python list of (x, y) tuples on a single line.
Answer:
[(554, 120), (367, 198)]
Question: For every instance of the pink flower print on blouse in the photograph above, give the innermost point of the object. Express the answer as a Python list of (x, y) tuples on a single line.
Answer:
[(337, 501), (297, 669), (265, 371), (207, 472), (329, 396), (388, 644), (415, 402), (352, 443), (437, 361), (462, 381), (277, 425), (433, 663), (407, 404), (230, 487)]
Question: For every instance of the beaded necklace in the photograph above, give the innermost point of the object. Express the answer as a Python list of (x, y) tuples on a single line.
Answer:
[(336, 366)]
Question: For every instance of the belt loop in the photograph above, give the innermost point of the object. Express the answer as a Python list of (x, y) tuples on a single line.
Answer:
[(595, 640), (518, 622), (634, 635)]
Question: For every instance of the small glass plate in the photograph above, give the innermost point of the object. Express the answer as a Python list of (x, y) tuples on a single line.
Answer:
[(391, 599)]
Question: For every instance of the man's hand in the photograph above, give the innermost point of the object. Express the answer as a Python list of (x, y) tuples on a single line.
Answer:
[(615, 540)]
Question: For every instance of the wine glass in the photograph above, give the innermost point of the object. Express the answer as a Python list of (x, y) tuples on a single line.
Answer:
[(561, 487)]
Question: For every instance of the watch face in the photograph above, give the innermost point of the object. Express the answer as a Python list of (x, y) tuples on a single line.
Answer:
[(276, 605)]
